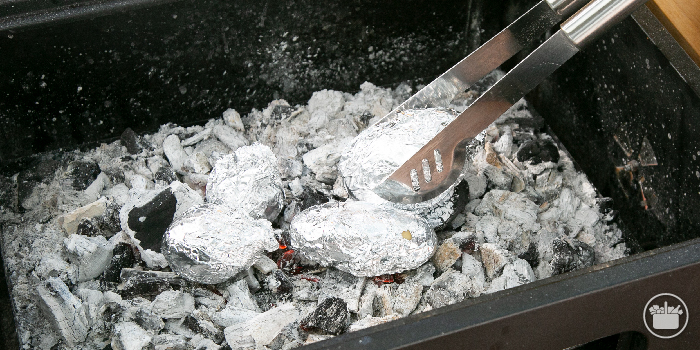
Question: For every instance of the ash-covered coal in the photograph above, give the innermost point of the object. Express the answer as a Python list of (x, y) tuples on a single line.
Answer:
[(246, 272)]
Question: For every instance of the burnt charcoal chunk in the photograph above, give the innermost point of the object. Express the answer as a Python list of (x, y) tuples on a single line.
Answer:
[(571, 257), (538, 151), (310, 198), (290, 334), (279, 283), (165, 174), (129, 140), (148, 283), (148, 320), (124, 255), (82, 173), (151, 220), (88, 227), (532, 256), (109, 222), (199, 322), (331, 316)]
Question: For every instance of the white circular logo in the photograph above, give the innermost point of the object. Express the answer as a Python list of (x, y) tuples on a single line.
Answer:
[(665, 315)]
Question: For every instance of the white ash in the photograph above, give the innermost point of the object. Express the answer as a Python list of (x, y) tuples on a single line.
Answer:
[(362, 238), (248, 181), (212, 243), (541, 214)]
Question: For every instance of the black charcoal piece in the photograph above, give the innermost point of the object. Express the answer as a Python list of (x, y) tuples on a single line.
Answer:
[(82, 173), (459, 200), (124, 255), (532, 256), (331, 316), (199, 322), (290, 334), (571, 257), (88, 227), (148, 283), (109, 222), (310, 198), (129, 140), (538, 151), (150, 221), (148, 320), (165, 174)]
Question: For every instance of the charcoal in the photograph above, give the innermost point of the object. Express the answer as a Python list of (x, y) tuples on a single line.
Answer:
[(200, 322), (331, 317), (406, 297), (148, 320), (88, 227), (231, 315), (209, 300), (538, 151), (239, 296), (474, 269), (148, 283), (90, 255), (170, 342), (108, 222), (229, 137), (124, 255), (82, 173), (69, 222), (129, 336), (336, 283), (165, 174), (52, 266), (568, 257), (494, 259), (451, 287), (531, 255), (514, 274), (173, 304), (128, 139), (265, 327), (279, 283), (64, 310), (290, 336), (151, 220), (310, 198), (323, 160), (266, 265), (446, 254), (174, 152)]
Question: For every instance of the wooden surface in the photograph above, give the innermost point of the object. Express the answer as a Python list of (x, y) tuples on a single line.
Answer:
[(682, 19)]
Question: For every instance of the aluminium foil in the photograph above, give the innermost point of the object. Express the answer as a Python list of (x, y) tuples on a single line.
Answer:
[(362, 238), (212, 243), (248, 180)]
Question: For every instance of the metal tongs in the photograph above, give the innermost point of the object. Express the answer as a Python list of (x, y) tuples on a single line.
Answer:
[(437, 165)]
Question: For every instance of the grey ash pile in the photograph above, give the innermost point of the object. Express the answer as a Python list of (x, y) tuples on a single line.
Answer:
[(243, 233)]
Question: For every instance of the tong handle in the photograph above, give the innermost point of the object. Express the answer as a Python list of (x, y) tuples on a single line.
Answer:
[(597, 17)]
